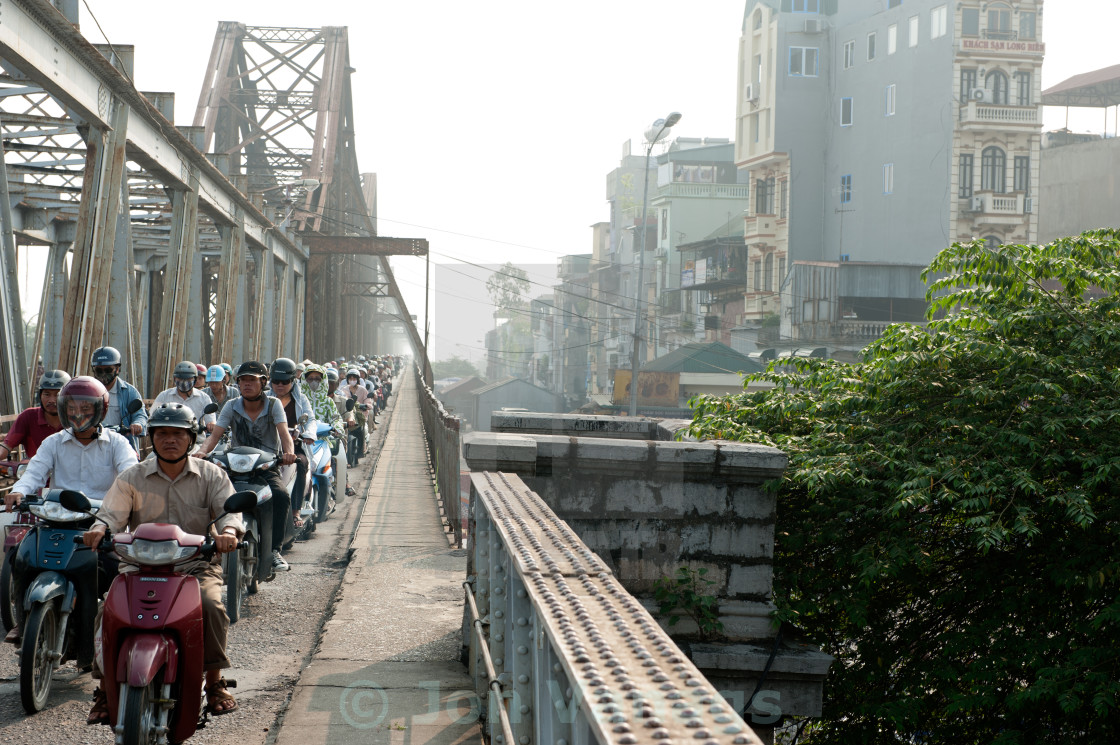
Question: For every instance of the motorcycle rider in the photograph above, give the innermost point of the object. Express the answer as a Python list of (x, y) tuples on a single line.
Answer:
[(84, 455), (173, 488), (347, 416), (216, 387), (257, 420), (283, 380), (106, 365), (355, 390), (37, 423), (185, 392)]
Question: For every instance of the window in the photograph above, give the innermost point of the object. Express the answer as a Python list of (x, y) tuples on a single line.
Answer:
[(784, 206), (754, 127), (938, 22), (768, 277), (871, 46), (996, 83), (992, 242), (888, 178), (1023, 88), (892, 38), (964, 176), (993, 166), (968, 82), (845, 189), (912, 40), (664, 224), (781, 271), (1027, 25), (757, 275), (888, 101), (806, 6), (758, 19), (764, 196), (999, 23), (970, 22), (803, 62), (894, 3), (1023, 174), (845, 112), (849, 54)]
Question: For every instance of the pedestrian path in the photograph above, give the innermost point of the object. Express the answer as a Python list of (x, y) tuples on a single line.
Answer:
[(387, 669)]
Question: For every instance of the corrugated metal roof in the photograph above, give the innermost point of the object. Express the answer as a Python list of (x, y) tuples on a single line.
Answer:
[(698, 357), (1098, 89)]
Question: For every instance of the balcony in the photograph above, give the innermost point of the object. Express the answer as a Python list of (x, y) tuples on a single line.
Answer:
[(607, 278), (703, 191), (760, 228), (989, 208), (714, 268), (979, 115)]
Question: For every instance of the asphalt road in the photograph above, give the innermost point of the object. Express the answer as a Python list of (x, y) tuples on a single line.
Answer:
[(268, 646)]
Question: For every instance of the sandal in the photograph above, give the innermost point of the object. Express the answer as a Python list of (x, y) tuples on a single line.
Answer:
[(297, 521), (99, 714), (217, 694)]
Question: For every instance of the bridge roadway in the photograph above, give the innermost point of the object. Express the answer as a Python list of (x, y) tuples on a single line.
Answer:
[(387, 667)]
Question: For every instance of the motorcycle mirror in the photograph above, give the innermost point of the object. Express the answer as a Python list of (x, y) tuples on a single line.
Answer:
[(74, 501), (210, 408), (350, 404), (134, 406), (240, 502)]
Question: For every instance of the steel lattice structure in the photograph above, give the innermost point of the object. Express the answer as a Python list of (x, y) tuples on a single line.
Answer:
[(276, 105)]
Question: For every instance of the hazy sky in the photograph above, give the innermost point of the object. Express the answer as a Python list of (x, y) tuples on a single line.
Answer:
[(492, 124)]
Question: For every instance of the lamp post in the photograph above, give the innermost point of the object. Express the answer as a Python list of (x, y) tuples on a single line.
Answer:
[(653, 135)]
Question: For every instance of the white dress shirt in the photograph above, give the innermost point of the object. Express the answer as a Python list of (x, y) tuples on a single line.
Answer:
[(68, 464), (196, 401)]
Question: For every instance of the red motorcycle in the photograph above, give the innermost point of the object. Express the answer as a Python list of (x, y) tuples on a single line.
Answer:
[(150, 646)]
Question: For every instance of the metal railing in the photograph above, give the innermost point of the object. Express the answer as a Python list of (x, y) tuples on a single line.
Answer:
[(441, 432), (560, 652)]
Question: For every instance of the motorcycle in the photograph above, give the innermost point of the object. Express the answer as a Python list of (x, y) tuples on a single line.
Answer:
[(317, 438), (63, 585), (244, 569), (13, 534), (151, 630)]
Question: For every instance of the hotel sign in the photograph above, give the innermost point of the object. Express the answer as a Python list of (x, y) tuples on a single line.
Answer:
[(1003, 46)]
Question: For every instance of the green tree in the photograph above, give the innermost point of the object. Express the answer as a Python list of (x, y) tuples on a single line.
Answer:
[(949, 526), (507, 287), (456, 367)]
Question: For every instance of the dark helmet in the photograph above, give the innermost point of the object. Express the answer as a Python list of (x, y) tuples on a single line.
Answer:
[(332, 374), (252, 368), (173, 415), (51, 380), (105, 357), (185, 369), (283, 369), (83, 389)]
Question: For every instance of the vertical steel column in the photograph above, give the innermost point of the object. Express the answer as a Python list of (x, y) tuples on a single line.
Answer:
[(143, 287), (123, 319), (261, 270), (192, 341), (519, 661), (480, 533), (55, 285), (295, 323), (280, 314), (87, 301), (267, 299), (231, 282), (499, 610), (553, 707), (15, 377), (177, 281)]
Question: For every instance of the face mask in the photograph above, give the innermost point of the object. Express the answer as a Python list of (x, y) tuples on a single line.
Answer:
[(106, 378), (314, 384), (184, 385)]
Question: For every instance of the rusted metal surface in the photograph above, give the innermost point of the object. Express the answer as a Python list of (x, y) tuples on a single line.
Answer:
[(441, 432), (583, 658), (365, 245)]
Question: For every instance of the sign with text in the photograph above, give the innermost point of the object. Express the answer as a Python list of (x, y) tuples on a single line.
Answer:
[(654, 388), (1003, 46)]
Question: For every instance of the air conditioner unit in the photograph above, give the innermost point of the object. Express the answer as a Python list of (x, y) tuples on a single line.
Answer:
[(977, 204), (812, 25), (1028, 205), (752, 92), (980, 95)]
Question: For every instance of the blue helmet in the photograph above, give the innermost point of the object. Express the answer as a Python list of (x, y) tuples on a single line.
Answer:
[(215, 374)]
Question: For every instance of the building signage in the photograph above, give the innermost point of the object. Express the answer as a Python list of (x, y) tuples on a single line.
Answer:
[(654, 388), (688, 274), (701, 271), (999, 46)]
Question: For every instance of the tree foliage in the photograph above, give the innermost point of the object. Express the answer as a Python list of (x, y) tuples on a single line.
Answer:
[(456, 367), (507, 287), (948, 525)]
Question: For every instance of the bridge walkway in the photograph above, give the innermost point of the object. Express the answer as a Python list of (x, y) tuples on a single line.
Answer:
[(387, 669)]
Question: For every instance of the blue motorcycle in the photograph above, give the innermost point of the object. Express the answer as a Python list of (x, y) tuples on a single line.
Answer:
[(60, 581)]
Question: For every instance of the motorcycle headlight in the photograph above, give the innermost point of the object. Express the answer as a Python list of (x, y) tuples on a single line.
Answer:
[(55, 512), (155, 553), (240, 462)]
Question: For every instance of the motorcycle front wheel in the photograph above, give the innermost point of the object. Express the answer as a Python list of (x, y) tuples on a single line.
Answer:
[(322, 501), (36, 658), (235, 591), (141, 714)]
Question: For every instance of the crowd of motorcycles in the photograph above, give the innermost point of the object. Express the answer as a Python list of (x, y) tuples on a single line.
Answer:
[(150, 647)]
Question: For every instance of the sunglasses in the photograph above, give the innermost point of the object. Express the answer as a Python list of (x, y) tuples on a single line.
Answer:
[(281, 382)]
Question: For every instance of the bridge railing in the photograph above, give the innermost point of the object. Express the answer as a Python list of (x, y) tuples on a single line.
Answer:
[(441, 432), (560, 653)]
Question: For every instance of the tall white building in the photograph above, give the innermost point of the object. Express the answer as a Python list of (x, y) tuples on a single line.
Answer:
[(876, 133)]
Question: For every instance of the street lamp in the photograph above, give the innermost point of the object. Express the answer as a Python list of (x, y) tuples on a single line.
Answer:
[(653, 136)]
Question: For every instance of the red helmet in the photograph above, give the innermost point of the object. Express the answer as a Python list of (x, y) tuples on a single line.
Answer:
[(80, 391)]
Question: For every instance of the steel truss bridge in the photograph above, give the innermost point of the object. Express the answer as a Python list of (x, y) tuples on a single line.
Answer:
[(249, 235)]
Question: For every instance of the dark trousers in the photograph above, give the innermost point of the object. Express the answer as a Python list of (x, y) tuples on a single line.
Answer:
[(281, 508)]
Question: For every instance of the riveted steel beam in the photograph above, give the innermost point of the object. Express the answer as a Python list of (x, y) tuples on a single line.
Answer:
[(353, 245)]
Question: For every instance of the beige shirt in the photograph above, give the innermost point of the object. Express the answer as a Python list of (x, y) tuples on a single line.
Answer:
[(145, 494)]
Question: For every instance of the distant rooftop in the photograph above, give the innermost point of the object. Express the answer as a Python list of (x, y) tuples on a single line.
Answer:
[(1098, 90)]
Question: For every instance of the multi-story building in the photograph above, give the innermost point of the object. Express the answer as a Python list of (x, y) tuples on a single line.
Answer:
[(875, 133)]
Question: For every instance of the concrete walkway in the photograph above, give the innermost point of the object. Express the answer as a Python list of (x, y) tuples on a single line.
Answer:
[(387, 669)]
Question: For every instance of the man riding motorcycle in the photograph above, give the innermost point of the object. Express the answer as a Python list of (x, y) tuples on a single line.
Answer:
[(176, 489), (106, 365), (37, 423)]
